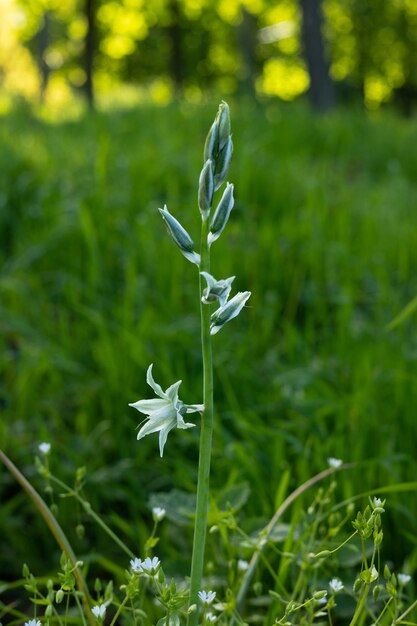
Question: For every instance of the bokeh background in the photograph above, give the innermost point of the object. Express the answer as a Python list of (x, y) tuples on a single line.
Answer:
[(104, 109)]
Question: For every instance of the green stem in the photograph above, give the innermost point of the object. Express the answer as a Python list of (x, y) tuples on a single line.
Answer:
[(55, 529), (361, 605), (200, 527)]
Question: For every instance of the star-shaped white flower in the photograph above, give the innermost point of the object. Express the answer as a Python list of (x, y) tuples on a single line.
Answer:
[(336, 585), (206, 597), (335, 463), (158, 513), (99, 611), (403, 579), (148, 566), (165, 412), (33, 622), (44, 447)]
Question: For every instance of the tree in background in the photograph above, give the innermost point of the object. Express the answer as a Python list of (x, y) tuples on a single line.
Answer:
[(321, 91), (270, 48)]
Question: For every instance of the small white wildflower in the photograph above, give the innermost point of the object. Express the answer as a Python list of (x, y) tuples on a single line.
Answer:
[(45, 448), (403, 579), (150, 566), (206, 597), (210, 617), (33, 622), (158, 513), (332, 462), (165, 412), (336, 585), (99, 611), (136, 565), (242, 565)]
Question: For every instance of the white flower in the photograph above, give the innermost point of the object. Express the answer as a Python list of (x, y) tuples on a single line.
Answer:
[(210, 617), (158, 513), (403, 579), (334, 462), (242, 565), (336, 585), (206, 597), (99, 611), (45, 448), (216, 289), (33, 622), (136, 565), (150, 566), (165, 412)]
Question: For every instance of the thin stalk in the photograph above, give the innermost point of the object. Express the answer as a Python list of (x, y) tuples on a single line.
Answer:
[(55, 529), (200, 527)]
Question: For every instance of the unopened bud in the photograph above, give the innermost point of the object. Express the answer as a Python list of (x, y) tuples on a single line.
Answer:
[(206, 189), (227, 312), (222, 163), (221, 214), (180, 236)]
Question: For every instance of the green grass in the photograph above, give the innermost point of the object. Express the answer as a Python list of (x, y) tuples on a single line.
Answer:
[(92, 290)]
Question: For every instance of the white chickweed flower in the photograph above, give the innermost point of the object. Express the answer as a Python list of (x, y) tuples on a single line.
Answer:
[(332, 462), (403, 579), (242, 565), (45, 448), (206, 597), (336, 585), (210, 617), (99, 611), (33, 622), (150, 566), (165, 412), (136, 565), (158, 513)]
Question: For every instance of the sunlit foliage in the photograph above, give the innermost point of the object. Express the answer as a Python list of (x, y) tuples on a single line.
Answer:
[(191, 46)]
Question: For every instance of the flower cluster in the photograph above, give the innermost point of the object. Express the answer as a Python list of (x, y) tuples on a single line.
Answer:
[(147, 566)]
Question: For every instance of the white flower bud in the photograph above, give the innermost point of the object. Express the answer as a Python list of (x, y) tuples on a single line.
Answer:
[(222, 163), (180, 236), (227, 312), (206, 190), (221, 214)]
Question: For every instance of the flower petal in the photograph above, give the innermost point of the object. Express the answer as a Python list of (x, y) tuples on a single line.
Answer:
[(172, 392), (148, 406), (153, 427), (157, 388), (163, 436)]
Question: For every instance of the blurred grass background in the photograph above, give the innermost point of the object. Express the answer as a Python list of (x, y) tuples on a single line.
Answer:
[(92, 290)]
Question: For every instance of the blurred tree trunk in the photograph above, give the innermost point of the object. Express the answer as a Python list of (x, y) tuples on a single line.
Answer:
[(247, 40), (321, 91), (90, 15), (175, 35), (43, 43)]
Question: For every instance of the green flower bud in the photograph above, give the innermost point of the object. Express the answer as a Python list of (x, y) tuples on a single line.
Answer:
[(223, 117), (206, 190), (222, 163), (180, 236), (211, 147), (221, 214), (59, 596)]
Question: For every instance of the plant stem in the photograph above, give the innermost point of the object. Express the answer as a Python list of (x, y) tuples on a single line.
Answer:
[(56, 531), (200, 527)]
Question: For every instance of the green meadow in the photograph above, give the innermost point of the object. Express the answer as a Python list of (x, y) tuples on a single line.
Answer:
[(92, 290)]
